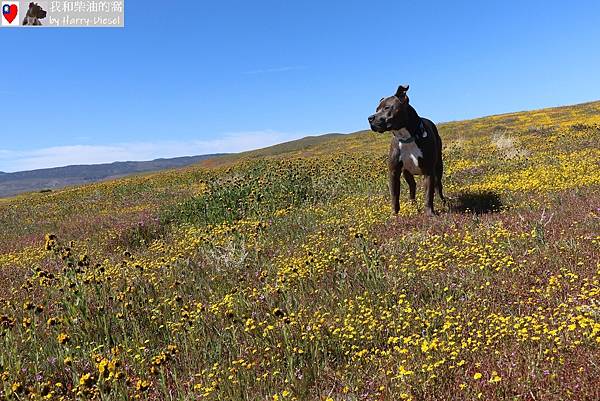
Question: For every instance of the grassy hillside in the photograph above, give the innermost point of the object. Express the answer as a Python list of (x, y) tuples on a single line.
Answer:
[(281, 275), (59, 177)]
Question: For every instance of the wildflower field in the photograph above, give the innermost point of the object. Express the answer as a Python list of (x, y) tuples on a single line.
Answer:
[(282, 275)]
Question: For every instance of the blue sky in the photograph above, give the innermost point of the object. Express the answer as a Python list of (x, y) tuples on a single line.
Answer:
[(200, 77)]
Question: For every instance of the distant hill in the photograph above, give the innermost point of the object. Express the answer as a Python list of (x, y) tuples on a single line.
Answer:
[(307, 143), (58, 177), (291, 146)]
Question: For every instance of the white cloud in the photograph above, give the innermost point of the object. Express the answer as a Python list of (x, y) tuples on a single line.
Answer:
[(56, 156)]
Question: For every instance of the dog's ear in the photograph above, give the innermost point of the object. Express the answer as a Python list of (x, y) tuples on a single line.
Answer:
[(31, 4), (401, 91)]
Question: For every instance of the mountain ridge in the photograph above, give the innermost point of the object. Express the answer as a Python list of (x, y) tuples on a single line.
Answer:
[(60, 177), (48, 179)]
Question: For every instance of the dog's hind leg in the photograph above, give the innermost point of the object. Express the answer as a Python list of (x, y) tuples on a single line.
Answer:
[(412, 185), (438, 181), (429, 191)]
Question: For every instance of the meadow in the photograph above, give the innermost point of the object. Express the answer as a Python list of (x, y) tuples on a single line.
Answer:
[(281, 274)]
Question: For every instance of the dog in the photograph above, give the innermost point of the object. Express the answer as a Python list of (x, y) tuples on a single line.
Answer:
[(416, 148), (34, 14)]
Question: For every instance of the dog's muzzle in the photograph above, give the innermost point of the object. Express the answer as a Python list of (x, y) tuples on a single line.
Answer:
[(378, 124)]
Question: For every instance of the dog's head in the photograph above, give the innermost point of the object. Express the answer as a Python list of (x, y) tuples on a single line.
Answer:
[(36, 11), (391, 112)]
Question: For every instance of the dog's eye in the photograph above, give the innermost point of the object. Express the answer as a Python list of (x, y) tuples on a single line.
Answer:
[(386, 108)]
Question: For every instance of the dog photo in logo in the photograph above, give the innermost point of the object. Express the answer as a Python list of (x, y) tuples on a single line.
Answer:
[(34, 14), (10, 13)]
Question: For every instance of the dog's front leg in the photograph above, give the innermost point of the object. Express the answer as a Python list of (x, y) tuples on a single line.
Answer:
[(394, 182), (429, 190), (412, 185)]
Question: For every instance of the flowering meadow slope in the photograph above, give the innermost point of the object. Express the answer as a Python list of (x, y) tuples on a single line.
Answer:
[(281, 275)]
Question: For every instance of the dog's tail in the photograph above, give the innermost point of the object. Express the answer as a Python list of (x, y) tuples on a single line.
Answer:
[(439, 173)]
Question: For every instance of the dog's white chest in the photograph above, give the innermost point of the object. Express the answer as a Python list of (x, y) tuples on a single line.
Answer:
[(409, 156)]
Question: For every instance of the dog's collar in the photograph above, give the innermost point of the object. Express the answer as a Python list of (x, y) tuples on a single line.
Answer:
[(419, 134)]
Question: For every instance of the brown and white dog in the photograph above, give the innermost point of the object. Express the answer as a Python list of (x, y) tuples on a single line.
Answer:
[(416, 148)]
